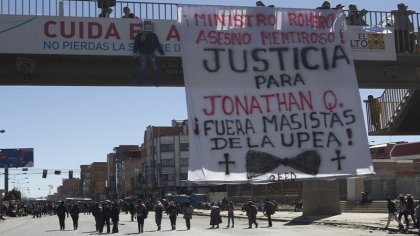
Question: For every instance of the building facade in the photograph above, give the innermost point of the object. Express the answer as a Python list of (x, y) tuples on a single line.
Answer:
[(166, 165), (69, 189), (127, 166)]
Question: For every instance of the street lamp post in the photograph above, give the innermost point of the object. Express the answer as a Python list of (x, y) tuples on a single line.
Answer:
[(6, 173)]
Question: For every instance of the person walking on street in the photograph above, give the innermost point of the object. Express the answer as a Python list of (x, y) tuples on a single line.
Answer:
[(115, 217), (106, 211), (411, 207), (158, 214), (269, 210), (141, 212), (61, 213), (251, 212), (392, 213), (188, 211), (231, 214), (172, 211), (215, 218), (417, 215), (403, 210), (97, 214), (74, 213), (132, 210)]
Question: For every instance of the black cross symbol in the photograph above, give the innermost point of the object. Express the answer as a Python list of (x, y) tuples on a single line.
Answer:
[(226, 162), (338, 159)]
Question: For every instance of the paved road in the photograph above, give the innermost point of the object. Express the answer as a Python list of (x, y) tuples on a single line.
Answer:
[(200, 225)]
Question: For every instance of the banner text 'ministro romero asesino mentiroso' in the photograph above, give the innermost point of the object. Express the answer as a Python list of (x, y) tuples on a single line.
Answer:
[(272, 95)]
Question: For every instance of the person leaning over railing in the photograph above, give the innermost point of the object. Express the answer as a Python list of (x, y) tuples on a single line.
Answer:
[(355, 17), (128, 14), (105, 6), (402, 28)]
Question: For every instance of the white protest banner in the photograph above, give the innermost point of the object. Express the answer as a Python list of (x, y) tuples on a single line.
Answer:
[(272, 95)]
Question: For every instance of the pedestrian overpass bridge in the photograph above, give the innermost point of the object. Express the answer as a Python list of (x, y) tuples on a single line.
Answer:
[(65, 43)]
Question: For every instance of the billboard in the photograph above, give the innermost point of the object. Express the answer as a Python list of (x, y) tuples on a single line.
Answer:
[(115, 37), (19, 157)]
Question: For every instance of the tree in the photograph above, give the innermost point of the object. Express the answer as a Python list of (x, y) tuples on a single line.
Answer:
[(13, 194)]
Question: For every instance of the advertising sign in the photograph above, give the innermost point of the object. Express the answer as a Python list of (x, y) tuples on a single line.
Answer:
[(115, 37), (21, 157)]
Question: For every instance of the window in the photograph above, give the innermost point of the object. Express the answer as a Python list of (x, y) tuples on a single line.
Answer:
[(184, 161), (184, 176), (167, 147), (167, 162), (171, 177), (184, 147)]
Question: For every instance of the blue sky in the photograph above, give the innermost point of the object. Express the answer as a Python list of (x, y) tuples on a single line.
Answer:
[(70, 126)]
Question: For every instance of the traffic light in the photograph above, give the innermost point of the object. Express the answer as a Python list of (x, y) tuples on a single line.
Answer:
[(44, 173), (57, 172), (70, 174)]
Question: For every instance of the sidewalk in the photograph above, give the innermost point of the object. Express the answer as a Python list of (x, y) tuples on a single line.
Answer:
[(372, 221)]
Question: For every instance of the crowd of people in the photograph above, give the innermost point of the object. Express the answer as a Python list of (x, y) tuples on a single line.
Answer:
[(403, 206), (106, 213)]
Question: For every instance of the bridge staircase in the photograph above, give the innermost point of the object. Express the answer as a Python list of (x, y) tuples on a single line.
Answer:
[(373, 207), (394, 113)]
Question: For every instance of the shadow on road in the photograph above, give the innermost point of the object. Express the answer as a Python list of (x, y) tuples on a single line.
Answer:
[(306, 220)]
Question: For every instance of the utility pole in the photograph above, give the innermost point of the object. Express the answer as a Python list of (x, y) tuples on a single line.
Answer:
[(6, 173), (50, 187)]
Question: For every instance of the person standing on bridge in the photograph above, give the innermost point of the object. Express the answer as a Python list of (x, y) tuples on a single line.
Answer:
[(402, 28), (374, 111), (128, 14), (145, 45), (105, 6)]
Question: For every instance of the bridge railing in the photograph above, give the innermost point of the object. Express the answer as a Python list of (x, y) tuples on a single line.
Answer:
[(406, 42), (384, 110), (87, 8)]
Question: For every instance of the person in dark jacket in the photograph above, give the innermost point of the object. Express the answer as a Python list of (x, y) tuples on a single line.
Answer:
[(172, 211), (74, 213), (115, 217), (97, 213), (106, 212), (145, 45), (141, 211), (411, 207), (132, 210), (392, 213), (269, 210), (127, 13), (402, 210), (188, 212), (105, 6), (251, 212), (61, 213), (158, 214), (215, 218)]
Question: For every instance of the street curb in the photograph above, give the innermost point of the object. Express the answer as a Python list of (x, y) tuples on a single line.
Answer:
[(306, 221)]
